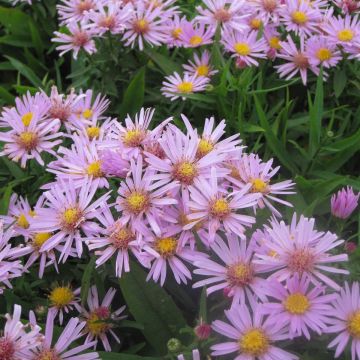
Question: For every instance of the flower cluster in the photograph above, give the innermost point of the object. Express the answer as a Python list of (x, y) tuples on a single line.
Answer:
[(180, 202)]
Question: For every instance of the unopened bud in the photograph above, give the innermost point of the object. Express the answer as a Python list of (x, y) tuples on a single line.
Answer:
[(202, 331), (174, 345)]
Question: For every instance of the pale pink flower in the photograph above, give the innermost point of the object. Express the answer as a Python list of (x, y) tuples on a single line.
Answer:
[(322, 52), (71, 11), (200, 66), (344, 202), (195, 34), (172, 30)]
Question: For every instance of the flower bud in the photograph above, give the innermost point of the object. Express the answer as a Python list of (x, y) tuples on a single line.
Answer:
[(202, 331), (344, 203), (174, 345)]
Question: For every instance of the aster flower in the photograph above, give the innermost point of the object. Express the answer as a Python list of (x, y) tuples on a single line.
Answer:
[(195, 355), (99, 318), (200, 66), (80, 37), (252, 336), (344, 202), (174, 86), (348, 6), (322, 52), (114, 164), (18, 340), (238, 274), (218, 210), (71, 11), (245, 46), (117, 238), (140, 196), (227, 14), (28, 139), (67, 212), (268, 10), (299, 306), (196, 34), (61, 349), (299, 249), (172, 30), (272, 37), (345, 321), (251, 170)]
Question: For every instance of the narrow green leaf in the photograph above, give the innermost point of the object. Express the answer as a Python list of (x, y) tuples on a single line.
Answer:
[(4, 205), (203, 305), (86, 279), (25, 71), (113, 356), (6, 96), (163, 62), (14, 168), (340, 80)]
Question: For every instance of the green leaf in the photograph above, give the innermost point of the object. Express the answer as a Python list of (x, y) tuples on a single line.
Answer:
[(340, 80), (14, 20), (151, 306), (112, 356), (134, 95), (164, 62), (4, 205), (14, 168), (86, 279), (6, 95)]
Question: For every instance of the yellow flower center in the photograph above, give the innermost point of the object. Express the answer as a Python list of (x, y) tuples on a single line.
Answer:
[(299, 17), (185, 172), (185, 87), (254, 342), (47, 355), (26, 119), (32, 213), (134, 138), (61, 296), (94, 169), (137, 202), (195, 40), (96, 324), (202, 70), (220, 208), (242, 49), (323, 54), (258, 185), (120, 237), (40, 238), (88, 113), (353, 325), (204, 147), (297, 304), (240, 274), (28, 140), (71, 218), (141, 26), (274, 43), (93, 132), (255, 23), (22, 222), (176, 33), (166, 247), (345, 35)]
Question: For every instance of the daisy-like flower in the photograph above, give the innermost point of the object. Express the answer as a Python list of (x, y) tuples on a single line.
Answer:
[(62, 349), (322, 52), (114, 164), (79, 163), (18, 340), (80, 37), (63, 299), (344, 202), (245, 46), (145, 26), (117, 238), (298, 249), (227, 14), (172, 30), (238, 274), (252, 336), (99, 318), (345, 321), (71, 11), (299, 306), (195, 34), (268, 10), (218, 210), (195, 355), (272, 37), (28, 139), (140, 196), (174, 86), (200, 66), (67, 213), (251, 170), (301, 17)]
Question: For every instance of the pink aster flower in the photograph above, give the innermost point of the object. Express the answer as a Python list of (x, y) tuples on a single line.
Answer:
[(195, 355), (196, 34), (251, 170), (28, 139), (142, 197), (252, 336), (67, 212), (345, 321), (81, 37), (273, 38), (268, 10), (172, 30), (301, 17), (200, 66), (299, 306), (299, 249), (145, 26), (218, 210), (238, 274), (117, 240), (114, 164), (18, 340), (70, 11), (100, 318), (62, 348), (175, 86), (348, 6), (322, 52), (344, 202), (245, 46), (227, 14), (298, 60)]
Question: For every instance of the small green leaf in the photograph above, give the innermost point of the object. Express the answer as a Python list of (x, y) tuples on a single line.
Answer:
[(340, 80), (164, 62), (4, 205), (86, 279)]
